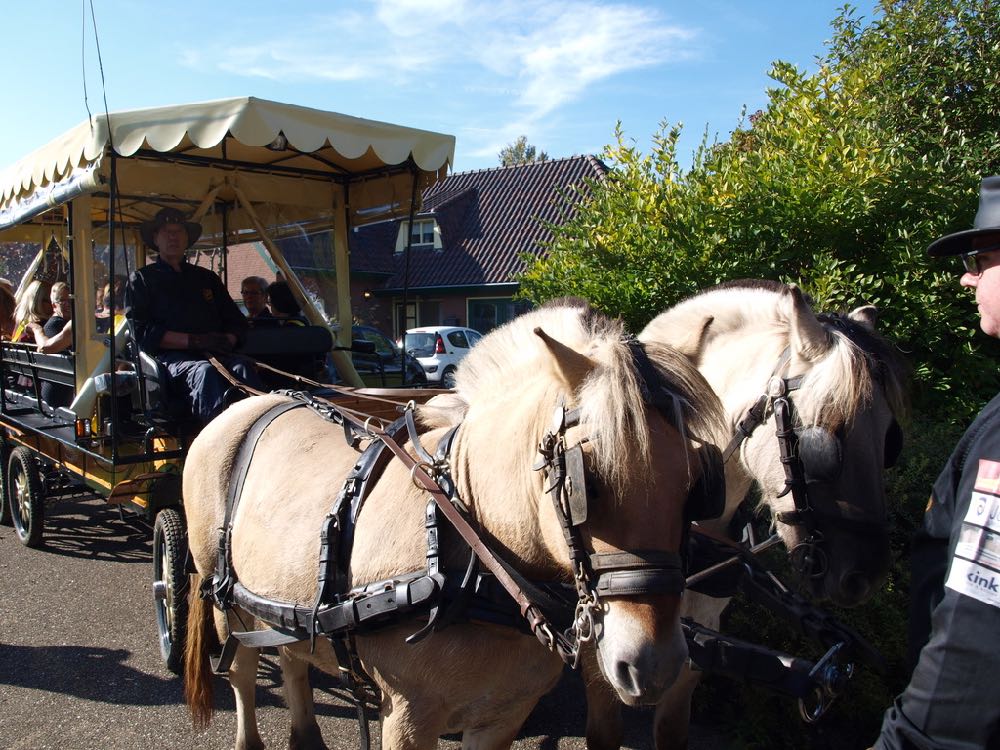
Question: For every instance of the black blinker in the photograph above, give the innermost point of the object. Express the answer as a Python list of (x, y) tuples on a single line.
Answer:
[(707, 498), (819, 452), (576, 486)]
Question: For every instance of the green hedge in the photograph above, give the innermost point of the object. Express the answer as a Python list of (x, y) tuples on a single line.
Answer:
[(839, 185)]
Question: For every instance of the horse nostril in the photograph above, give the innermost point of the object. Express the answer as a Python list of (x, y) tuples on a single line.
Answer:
[(627, 679)]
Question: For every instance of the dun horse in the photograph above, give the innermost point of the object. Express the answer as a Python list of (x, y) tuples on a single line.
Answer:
[(756, 342), (640, 408)]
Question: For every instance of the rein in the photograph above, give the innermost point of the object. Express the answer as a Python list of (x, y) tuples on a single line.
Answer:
[(808, 557), (337, 611)]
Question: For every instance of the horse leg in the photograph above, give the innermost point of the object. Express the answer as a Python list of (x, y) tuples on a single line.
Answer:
[(243, 680), (672, 720), (499, 734), (405, 726), (604, 709), (305, 733)]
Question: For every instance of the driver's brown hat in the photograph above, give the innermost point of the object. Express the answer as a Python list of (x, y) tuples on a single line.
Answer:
[(164, 216)]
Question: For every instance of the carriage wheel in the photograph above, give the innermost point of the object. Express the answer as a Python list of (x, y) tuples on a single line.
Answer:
[(25, 497), (170, 586), (5, 516)]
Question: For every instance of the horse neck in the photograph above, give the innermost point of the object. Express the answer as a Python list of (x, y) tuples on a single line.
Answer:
[(492, 460)]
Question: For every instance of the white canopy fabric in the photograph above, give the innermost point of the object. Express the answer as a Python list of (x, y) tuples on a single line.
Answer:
[(316, 140)]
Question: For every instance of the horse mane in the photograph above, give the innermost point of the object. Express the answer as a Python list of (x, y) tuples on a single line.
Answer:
[(839, 383), (611, 398)]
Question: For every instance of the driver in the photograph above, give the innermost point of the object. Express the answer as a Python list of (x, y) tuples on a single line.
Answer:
[(182, 312)]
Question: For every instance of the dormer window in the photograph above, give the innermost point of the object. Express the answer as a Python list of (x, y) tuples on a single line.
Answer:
[(425, 234)]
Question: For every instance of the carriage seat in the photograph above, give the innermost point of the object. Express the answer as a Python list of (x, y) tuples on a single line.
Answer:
[(299, 350), (25, 361)]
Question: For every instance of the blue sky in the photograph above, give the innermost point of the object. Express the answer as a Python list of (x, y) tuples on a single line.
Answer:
[(561, 73)]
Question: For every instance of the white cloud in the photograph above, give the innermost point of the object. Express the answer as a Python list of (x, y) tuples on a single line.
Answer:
[(537, 56)]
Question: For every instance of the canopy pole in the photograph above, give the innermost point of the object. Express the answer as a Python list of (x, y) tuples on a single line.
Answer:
[(342, 270), (406, 278)]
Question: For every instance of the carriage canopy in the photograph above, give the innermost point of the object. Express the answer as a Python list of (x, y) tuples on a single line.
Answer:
[(248, 169)]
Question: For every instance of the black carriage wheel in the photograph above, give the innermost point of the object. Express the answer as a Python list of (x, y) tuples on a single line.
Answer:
[(448, 378), (25, 496), (170, 586), (5, 516)]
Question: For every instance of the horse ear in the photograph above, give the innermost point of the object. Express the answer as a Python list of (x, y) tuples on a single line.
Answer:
[(691, 343), (866, 316), (570, 365), (689, 340), (810, 339)]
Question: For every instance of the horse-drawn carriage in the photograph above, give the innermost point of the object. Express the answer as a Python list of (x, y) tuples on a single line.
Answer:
[(249, 171), (562, 403)]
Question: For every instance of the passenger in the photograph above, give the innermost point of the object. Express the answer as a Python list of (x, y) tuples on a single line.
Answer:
[(33, 306), (284, 305), (182, 312), (254, 293), (56, 336), (7, 305)]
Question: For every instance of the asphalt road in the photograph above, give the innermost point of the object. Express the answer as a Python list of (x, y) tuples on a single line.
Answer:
[(80, 666)]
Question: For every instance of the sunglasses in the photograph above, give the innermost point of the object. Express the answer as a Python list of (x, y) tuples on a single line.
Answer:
[(972, 262)]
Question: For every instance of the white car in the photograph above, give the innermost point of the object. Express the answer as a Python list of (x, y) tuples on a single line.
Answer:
[(439, 349)]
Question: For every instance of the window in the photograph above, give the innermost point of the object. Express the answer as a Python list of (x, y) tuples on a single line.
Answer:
[(457, 338), (487, 314), (425, 233)]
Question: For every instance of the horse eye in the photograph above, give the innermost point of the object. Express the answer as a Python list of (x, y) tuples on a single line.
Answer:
[(893, 444)]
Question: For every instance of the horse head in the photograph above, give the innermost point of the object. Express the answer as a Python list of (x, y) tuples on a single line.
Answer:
[(575, 452), (819, 396)]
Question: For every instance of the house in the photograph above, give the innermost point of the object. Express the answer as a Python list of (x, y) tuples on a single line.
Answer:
[(467, 247)]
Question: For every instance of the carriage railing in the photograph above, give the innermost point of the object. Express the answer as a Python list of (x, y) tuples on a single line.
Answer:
[(23, 361)]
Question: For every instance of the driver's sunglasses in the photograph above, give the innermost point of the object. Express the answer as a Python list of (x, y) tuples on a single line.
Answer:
[(972, 262)]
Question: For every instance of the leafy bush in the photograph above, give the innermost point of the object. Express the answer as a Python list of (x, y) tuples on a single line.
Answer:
[(838, 185)]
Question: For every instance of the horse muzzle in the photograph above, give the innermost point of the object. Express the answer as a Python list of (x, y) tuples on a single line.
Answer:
[(641, 649)]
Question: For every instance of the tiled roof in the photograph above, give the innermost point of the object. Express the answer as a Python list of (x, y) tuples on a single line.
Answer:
[(487, 219)]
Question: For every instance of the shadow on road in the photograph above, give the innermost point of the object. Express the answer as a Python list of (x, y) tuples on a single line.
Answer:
[(71, 670), (75, 529)]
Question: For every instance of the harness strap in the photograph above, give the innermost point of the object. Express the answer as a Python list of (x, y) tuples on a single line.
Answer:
[(225, 576), (529, 610), (648, 572)]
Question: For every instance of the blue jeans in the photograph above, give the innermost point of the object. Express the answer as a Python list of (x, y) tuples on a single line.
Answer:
[(201, 385)]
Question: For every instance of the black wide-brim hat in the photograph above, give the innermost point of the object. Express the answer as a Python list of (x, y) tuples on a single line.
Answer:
[(987, 222), (164, 216)]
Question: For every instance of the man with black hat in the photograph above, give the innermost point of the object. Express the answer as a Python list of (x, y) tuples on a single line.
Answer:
[(953, 698), (182, 312)]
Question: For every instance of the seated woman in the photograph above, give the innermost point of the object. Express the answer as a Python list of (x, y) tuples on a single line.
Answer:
[(56, 336), (287, 312), (284, 306), (7, 305), (33, 306)]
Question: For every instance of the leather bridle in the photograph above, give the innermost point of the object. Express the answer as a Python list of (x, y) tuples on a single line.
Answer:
[(809, 557), (596, 575)]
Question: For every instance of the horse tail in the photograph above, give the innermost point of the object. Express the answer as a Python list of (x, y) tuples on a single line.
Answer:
[(197, 667)]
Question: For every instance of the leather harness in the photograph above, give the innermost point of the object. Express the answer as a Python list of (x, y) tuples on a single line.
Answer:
[(339, 613)]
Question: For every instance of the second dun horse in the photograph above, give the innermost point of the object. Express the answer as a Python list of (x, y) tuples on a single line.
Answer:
[(558, 397), (831, 388)]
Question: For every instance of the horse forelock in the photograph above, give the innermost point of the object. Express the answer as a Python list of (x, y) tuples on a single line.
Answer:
[(610, 398), (835, 387), (846, 379)]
